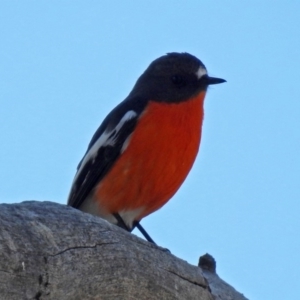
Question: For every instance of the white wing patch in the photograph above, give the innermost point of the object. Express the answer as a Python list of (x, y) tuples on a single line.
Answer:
[(201, 72), (126, 143), (107, 138)]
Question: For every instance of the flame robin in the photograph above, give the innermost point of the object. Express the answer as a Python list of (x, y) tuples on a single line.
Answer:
[(146, 146)]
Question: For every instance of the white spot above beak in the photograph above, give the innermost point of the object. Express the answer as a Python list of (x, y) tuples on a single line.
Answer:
[(201, 72)]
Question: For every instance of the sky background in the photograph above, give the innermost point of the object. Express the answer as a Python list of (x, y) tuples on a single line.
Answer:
[(65, 64)]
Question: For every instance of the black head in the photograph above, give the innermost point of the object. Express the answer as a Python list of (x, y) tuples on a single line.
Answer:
[(173, 77)]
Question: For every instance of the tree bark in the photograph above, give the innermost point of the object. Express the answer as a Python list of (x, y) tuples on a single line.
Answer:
[(52, 251)]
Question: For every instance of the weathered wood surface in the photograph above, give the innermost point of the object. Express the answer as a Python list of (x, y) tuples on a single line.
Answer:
[(218, 287), (51, 251)]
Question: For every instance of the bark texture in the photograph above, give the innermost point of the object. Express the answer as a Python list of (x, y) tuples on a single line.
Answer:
[(52, 251)]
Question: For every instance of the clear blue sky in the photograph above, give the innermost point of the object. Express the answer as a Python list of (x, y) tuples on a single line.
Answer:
[(65, 64)]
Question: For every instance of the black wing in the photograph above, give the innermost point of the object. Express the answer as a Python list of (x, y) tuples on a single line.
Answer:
[(105, 148)]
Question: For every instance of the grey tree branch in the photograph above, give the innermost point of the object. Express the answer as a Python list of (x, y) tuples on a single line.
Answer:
[(51, 251)]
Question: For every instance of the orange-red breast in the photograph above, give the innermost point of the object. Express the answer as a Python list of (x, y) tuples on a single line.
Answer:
[(144, 149)]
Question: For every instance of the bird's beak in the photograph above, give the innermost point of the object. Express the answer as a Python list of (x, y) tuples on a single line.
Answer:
[(214, 80)]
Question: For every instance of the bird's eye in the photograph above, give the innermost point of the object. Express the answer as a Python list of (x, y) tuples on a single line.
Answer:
[(178, 80)]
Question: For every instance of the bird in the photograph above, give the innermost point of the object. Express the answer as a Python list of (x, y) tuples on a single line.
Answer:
[(144, 149)]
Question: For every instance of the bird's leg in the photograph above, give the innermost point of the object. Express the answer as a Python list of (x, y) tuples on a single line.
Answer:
[(122, 224), (144, 232), (147, 236)]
